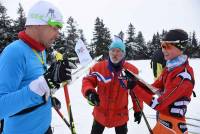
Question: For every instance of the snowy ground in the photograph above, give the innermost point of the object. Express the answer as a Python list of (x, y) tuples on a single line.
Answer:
[(82, 112)]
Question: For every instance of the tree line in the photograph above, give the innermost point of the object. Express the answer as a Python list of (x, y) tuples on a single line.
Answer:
[(136, 46)]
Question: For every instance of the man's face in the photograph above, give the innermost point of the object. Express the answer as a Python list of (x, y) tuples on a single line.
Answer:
[(47, 35), (170, 51), (116, 55)]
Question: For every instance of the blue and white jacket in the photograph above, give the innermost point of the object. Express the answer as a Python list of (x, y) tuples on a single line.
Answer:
[(19, 65)]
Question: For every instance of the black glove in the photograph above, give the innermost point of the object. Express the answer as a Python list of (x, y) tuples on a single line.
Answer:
[(137, 117), (55, 102), (131, 80), (131, 83), (57, 73), (93, 98)]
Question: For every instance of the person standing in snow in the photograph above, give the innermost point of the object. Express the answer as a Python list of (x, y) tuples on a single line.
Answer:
[(25, 81), (158, 63), (175, 86), (108, 94)]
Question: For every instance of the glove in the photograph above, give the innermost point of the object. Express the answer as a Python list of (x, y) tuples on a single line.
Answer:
[(137, 117), (40, 87), (93, 98), (131, 83), (58, 72), (131, 80), (56, 103)]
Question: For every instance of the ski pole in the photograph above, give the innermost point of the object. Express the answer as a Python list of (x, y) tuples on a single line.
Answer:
[(63, 118), (71, 120), (145, 118)]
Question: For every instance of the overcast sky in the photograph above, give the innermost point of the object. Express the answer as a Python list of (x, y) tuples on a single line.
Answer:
[(148, 16)]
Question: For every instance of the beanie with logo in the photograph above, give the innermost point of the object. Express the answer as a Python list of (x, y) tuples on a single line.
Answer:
[(44, 13)]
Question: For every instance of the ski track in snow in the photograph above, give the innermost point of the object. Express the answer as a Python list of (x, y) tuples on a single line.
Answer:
[(82, 111)]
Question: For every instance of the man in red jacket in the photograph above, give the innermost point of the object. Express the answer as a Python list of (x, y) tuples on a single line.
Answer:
[(175, 86), (108, 94)]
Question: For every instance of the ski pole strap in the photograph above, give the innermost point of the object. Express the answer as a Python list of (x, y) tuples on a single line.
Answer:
[(30, 109)]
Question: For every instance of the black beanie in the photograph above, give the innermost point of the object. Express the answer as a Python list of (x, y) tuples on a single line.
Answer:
[(178, 37)]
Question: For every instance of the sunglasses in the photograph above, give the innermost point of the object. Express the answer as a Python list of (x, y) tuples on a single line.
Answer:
[(54, 23)]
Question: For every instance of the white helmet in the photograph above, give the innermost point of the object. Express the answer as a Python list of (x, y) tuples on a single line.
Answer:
[(44, 13)]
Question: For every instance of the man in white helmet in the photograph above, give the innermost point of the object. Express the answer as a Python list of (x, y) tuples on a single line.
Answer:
[(25, 82)]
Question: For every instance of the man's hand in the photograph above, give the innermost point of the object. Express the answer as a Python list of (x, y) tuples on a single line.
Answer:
[(93, 98), (55, 103), (58, 72), (130, 78), (137, 117)]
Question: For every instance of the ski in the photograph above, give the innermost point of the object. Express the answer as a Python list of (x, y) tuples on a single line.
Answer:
[(141, 82), (83, 70), (188, 118), (188, 124)]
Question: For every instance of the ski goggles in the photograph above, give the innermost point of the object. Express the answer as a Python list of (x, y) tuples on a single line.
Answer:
[(55, 23), (175, 42), (166, 46)]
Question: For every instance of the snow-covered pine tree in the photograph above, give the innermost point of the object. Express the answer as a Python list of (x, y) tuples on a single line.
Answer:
[(19, 23), (72, 35), (154, 44), (5, 28), (130, 42), (121, 35), (101, 38), (140, 45), (192, 48)]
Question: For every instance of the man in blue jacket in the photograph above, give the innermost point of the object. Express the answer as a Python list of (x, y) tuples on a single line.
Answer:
[(25, 82)]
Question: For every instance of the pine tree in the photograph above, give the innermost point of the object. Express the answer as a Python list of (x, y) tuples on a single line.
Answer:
[(5, 28), (155, 43), (142, 52), (121, 35), (82, 37), (19, 23), (101, 39), (192, 46), (72, 35), (130, 42)]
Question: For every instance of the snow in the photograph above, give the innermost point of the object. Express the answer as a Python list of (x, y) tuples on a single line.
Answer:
[(82, 111)]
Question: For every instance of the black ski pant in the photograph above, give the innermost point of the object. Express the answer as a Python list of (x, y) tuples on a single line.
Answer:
[(49, 131), (1, 126), (97, 128)]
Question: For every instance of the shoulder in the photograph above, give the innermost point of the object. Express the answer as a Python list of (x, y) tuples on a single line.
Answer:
[(131, 67), (16, 47), (15, 51)]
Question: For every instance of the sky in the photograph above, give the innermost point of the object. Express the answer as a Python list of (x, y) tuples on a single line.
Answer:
[(148, 16)]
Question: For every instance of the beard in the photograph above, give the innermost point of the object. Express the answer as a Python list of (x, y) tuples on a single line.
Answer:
[(115, 60)]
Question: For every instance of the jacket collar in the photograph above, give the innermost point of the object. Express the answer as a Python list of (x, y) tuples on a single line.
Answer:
[(30, 41)]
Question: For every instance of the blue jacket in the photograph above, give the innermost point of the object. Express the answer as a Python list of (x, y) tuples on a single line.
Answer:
[(19, 65)]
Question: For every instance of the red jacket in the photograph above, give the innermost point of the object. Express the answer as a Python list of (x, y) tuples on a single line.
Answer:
[(113, 108), (172, 87)]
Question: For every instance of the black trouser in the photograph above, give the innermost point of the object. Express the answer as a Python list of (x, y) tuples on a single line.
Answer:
[(97, 128), (1, 126), (49, 131)]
